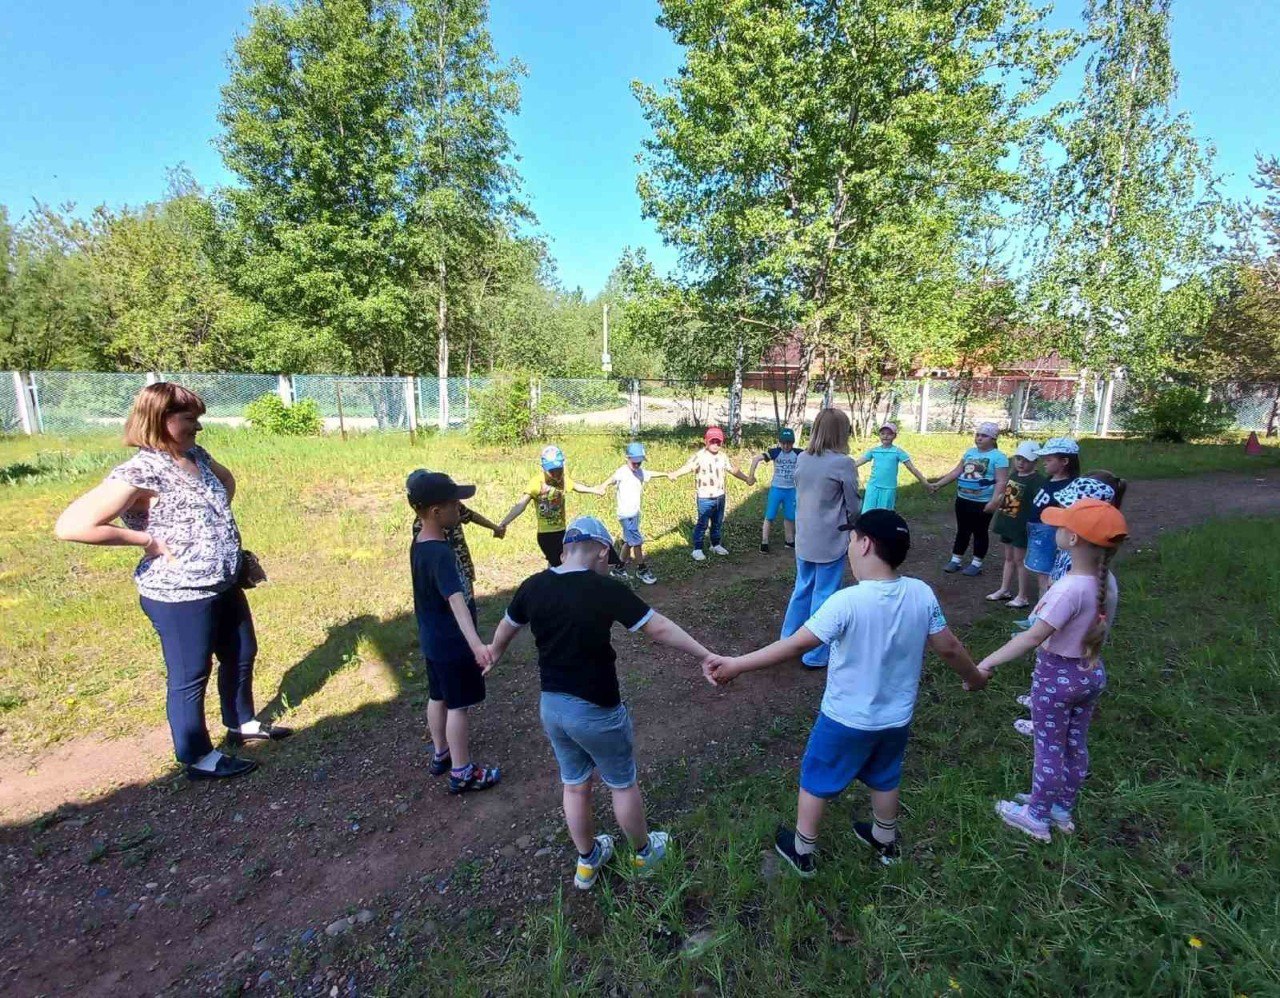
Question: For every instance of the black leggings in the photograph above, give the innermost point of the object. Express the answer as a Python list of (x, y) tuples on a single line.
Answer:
[(971, 521), (552, 544)]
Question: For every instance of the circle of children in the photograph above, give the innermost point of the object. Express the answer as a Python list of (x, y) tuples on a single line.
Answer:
[(1059, 531)]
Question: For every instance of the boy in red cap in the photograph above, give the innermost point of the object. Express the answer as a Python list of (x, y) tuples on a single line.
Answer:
[(710, 466)]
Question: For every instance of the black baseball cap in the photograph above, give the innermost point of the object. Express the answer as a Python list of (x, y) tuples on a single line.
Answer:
[(887, 527), (431, 488)]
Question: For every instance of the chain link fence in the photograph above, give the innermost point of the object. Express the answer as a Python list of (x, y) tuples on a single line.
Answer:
[(61, 402)]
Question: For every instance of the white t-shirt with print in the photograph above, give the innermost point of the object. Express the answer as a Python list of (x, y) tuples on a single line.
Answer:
[(630, 486), (877, 633)]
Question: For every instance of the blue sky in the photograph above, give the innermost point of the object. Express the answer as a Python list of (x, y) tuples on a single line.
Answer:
[(100, 98)]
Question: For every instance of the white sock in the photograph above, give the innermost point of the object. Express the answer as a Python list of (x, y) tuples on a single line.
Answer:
[(207, 763), (977, 562), (805, 845), (882, 831), (253, 727), (955, 559)]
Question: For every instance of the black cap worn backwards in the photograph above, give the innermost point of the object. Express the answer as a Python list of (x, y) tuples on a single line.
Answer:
[(887, 527), (430, 488)]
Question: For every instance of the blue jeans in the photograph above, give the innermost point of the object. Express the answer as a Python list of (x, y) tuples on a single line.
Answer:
[(191, 634), (586, 736), (815, 583), (710, 512)]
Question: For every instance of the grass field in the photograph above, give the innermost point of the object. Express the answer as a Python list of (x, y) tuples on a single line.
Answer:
[(1169, 888), (328, 519)]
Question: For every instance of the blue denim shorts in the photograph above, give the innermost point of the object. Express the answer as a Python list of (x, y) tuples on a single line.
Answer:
[(585, 736), (631, 530), (837, 755), (1042, 548)]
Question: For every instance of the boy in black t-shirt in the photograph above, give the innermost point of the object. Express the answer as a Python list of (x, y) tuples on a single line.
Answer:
[(571, 609), (456, 657)]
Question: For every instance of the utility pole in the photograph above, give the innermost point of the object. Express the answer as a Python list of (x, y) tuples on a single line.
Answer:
[(606, 362)]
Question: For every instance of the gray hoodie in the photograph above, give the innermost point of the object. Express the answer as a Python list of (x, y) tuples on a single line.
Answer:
[(826, 498)]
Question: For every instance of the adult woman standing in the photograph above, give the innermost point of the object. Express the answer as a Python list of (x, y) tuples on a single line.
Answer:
[(175, 503), (826, 500)]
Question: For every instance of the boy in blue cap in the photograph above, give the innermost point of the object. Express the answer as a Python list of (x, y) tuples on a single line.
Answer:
[(549, 489), (571, 610), (630, 480), (782, 490)]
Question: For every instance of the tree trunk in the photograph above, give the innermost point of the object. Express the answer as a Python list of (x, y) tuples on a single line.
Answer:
[(735, 393), (798, 402), (442, 344)]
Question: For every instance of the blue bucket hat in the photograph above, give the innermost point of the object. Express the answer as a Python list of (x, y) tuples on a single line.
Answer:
[(590, 528), (552, 458), (635, 452)]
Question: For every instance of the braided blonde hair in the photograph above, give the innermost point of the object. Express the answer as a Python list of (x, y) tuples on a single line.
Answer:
[(1097, 634)]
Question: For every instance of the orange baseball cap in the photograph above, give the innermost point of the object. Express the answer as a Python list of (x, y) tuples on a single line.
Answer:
[(1096, 521)]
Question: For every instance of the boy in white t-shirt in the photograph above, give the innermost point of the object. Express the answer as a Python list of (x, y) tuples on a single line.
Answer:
[(631, 479), (878, 631)]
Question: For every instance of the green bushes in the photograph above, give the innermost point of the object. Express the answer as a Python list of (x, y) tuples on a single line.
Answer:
[(505, 412), (1178, 413), (269, 414)]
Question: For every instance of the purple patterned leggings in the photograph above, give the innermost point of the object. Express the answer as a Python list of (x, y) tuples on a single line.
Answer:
[(1063, 696)]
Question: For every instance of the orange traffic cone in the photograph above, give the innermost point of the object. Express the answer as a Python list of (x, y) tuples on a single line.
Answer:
[(1251, 446)]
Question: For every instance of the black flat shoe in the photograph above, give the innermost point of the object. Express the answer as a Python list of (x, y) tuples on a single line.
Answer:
[(228, 767), (267, 733)]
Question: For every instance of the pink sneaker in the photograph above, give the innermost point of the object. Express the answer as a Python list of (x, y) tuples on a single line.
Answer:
[(1019, 816)]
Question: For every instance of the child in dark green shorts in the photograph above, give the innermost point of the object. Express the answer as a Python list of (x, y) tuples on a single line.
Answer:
[(1017, 586)]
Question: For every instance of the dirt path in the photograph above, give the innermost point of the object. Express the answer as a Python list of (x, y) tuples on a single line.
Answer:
[(166, 884)]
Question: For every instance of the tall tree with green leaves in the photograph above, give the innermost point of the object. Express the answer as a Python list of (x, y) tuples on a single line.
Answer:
[(1129, 209), (819, 163)]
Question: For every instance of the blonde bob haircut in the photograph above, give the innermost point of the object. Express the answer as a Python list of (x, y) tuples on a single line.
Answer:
[(145, 426), (830, 432)]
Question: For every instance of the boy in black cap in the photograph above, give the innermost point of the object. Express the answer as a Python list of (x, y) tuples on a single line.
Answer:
[(877, 631), (456, 657)]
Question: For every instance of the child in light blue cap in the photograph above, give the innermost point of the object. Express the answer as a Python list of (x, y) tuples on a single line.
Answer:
[(782, 490), (631, 479)]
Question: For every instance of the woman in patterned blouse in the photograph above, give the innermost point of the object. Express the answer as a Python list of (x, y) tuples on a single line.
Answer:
[(174, 501)]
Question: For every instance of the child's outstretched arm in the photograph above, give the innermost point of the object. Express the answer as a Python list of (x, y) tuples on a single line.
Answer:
[(667, 632), (916, 471), (951, 650), (520, 506), (588, 490), (1016, 647), (755, 463), (736, 472), (480, 520), (462, 614), (502, 637), (725, 669), (949, 477), (1002, 480), (684, 469)]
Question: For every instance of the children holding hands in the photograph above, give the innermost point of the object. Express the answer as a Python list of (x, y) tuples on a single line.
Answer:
[(571, 609), (549, 490), (782, 490)]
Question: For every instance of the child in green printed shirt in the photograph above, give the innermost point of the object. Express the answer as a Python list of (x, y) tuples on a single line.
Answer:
[(882, 486), (1017, 584)]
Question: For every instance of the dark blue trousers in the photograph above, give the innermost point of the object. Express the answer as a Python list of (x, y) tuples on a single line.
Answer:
[(191, 634)]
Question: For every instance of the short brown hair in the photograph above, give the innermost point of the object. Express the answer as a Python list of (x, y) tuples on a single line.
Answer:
[(830, 432), (145, 425)]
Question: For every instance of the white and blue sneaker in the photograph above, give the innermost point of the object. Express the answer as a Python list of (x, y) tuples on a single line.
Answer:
[(645, 863), (584, 877)]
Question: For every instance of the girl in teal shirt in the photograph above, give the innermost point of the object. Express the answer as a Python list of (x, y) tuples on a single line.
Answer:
[(882, 487)]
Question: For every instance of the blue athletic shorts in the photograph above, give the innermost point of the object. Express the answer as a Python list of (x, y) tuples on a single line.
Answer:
[(780, 499), (837, 755), (631, 535), (586, 736)]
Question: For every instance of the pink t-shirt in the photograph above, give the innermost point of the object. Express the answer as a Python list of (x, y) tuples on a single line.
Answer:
[(1071, 606)]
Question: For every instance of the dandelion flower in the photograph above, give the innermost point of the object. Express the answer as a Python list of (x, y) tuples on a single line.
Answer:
[(953, 984), (1195, 942)]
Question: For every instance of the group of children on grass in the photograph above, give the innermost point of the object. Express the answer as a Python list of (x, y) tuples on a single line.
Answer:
[(876, 632)]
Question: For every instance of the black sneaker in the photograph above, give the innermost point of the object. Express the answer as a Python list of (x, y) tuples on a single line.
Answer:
[(764, 547), (440, 764), (228, 768), (477, 778), (888, 853), (784, 842), (791, 544)]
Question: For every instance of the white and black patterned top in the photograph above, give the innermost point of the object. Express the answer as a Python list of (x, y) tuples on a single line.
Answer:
[(192, 517)]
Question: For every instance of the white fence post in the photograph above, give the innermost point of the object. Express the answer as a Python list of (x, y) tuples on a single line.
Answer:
[(410, 405), (1019, 400), (1104, 417), (284, 388), (24, 406), (153, 378), (922, 413)]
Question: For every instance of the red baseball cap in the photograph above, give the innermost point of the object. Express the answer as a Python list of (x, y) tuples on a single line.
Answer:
[(1096, 521), (713, 435)]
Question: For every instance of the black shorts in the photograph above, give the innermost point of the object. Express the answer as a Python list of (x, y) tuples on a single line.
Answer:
[(552, 544), (458, 683)]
